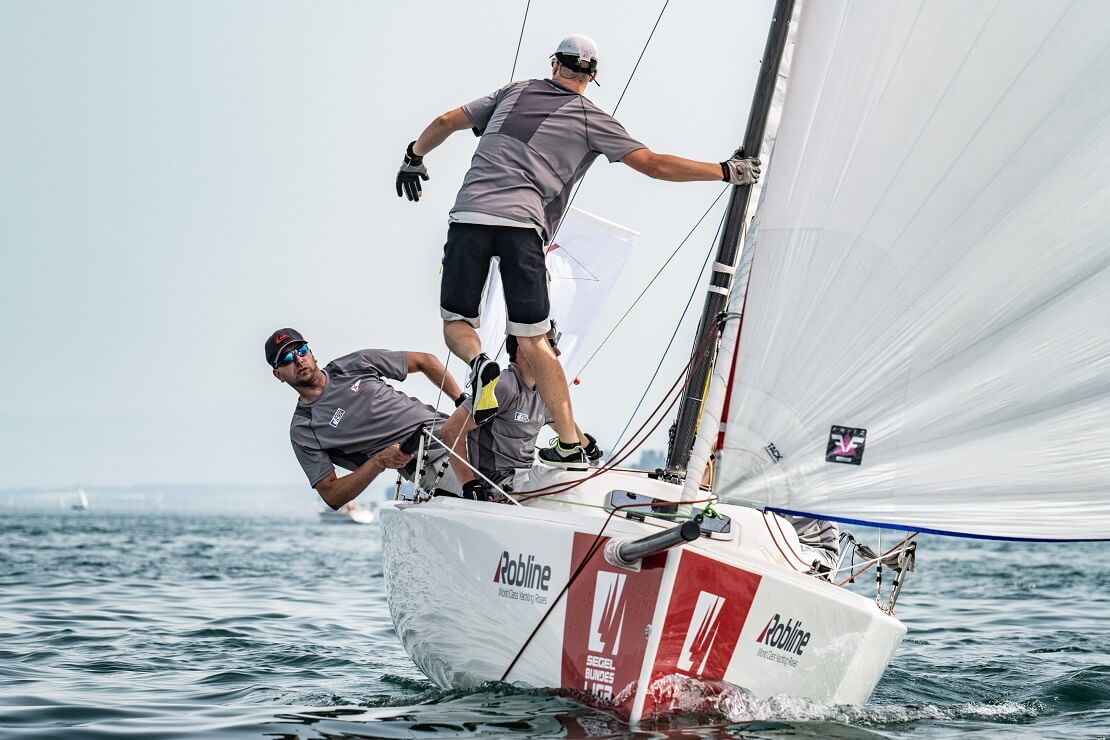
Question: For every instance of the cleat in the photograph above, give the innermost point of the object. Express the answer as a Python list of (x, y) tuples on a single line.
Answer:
[(569, 458), (484, 373)]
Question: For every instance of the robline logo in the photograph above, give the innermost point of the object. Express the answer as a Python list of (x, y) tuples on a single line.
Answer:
[(789, 637), (522, 572)]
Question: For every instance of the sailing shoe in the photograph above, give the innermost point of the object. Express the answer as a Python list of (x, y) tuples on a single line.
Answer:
[(558, 456), (484, 373), (593, 452)]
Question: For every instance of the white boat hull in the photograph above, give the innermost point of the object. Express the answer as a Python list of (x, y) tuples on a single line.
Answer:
[(468, 582)]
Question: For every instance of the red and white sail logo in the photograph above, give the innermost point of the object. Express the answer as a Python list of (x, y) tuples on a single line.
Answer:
[(702, 633), (607, 618)]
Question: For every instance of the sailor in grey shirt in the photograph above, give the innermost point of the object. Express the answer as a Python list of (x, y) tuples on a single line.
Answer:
[(819, 540), (502, 448), (348, 415), (538, 138)]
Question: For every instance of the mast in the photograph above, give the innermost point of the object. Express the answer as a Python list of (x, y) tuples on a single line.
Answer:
[(716, 298)]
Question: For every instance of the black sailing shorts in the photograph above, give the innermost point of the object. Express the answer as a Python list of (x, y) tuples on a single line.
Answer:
[(466, 258)]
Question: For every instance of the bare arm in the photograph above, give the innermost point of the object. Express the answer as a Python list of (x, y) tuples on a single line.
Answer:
[(454, 434), (671, 168), (434, 371), (439, 129), (336, 491)]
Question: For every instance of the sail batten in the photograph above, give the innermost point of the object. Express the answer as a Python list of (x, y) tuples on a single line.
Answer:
[(926, 340)]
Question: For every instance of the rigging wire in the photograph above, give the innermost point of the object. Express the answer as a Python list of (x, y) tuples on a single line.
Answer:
[(623, 453), (640, 58), (674, 334), (627, 84), (651, 282), (516, 56)]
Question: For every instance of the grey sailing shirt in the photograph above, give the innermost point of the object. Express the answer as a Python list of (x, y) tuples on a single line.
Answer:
[(357, 415), (817, 533), (538, 139), (506, 442)]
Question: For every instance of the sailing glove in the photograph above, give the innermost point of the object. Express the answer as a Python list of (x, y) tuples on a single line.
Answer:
[(593, 452), (411, 173), (475, 490), (740, 170)]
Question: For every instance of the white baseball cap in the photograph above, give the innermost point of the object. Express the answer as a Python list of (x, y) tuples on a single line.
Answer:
[(583, 47)]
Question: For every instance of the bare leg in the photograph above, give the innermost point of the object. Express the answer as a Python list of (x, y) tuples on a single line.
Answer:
[(552, 383), (462, 340)]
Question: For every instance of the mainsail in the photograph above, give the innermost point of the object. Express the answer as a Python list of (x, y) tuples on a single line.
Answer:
[(926, 338)]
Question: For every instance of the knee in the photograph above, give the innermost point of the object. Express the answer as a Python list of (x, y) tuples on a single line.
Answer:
[(535, 348)]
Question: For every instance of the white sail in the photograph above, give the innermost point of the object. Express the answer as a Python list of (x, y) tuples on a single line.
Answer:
[(583, 265), (712, 422), (930, 292)]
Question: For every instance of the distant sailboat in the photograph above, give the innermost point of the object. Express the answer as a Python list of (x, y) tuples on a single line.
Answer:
[(83, 503), (348, 514)]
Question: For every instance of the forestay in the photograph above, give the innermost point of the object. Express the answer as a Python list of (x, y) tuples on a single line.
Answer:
[(926, 339)]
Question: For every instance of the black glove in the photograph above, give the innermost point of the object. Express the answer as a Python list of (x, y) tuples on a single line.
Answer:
[(593, 452), (461, 399), (411, 173), (476, 490)]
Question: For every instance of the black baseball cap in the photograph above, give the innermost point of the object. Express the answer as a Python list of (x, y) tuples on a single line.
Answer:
[(281, 340)]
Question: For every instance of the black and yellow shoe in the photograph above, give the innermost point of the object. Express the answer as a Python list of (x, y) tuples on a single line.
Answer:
[(484, 373)]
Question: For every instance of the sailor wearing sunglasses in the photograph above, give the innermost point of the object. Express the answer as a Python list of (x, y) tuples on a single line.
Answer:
[(348, 415)]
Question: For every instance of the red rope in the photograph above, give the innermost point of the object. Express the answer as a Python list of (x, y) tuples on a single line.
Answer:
[(632, 445)]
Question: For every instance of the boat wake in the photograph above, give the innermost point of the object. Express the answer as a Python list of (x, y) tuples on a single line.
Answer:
[(688, 703), (684, 699)]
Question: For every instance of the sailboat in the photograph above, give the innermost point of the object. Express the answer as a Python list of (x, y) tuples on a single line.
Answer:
[(350, 513), (913, 337), (82, 501)]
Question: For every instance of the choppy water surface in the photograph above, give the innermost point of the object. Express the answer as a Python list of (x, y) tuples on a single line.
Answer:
[(159, 626)]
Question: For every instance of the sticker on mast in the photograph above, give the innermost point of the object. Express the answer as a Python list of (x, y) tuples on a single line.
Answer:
[(845, 445)]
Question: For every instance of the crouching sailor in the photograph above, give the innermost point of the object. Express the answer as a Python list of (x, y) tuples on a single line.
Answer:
[(502, 447), (819, 540), (347, 415)]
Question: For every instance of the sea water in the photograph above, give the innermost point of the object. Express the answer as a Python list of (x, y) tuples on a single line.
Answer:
[(171, 626)]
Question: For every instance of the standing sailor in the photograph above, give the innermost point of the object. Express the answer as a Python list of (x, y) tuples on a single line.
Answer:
[(538, 138)]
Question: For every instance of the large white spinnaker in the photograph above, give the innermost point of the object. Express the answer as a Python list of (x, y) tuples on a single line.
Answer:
[(926, 339)]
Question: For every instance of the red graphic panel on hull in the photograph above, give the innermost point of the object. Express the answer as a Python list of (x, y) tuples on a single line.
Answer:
[(709, 605), (608, 612)]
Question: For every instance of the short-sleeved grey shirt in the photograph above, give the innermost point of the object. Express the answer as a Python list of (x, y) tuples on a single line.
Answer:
[(538, 139), (506, 442), (817, 533), (357, 415)]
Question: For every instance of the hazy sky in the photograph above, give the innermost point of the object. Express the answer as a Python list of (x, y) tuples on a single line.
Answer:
[(177, 179)]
